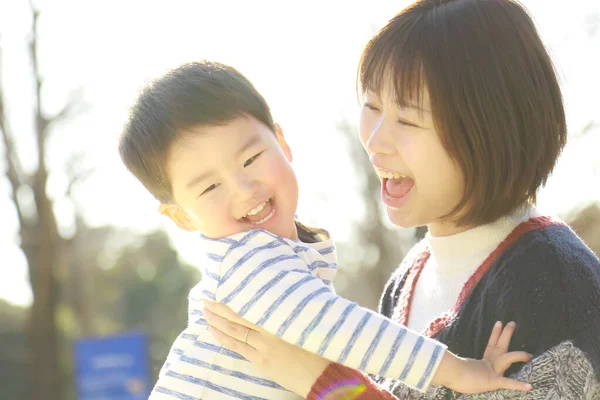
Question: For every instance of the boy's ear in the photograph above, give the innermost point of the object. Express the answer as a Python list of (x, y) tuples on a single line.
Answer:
[(177, 215), (282, 143)]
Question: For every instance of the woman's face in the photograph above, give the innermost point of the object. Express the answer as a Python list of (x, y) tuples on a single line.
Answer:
[(420, 182)]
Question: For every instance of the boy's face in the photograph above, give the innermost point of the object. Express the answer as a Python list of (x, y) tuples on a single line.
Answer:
[(232, 178)]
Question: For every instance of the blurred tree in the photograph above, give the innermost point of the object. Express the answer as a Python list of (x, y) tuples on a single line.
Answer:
[(120, 281), (127, 282), (38, 231), (145, 289), (13, 352), (585, 221), (375, 249)]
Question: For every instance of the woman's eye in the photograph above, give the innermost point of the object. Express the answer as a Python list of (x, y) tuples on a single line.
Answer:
[(210, 188), (406, 123), (371, 107), (252, 159)]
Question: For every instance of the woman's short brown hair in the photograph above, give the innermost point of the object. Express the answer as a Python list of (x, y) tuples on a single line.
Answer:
[(495, 98)]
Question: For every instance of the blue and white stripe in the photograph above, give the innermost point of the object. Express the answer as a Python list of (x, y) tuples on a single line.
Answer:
[(284, 286)]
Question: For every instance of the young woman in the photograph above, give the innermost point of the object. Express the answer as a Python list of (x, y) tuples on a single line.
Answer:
[(463, 121)]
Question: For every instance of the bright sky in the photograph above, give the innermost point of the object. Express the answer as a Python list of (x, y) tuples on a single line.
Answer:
[(302, 56)]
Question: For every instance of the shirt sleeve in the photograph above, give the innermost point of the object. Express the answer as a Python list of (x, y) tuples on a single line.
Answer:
[(339, 382), (268, 283), (563, 369)]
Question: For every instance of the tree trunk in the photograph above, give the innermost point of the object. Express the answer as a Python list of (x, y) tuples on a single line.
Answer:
[(42, 255)]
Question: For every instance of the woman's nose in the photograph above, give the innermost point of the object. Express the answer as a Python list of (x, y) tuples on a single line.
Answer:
[(379, 139)]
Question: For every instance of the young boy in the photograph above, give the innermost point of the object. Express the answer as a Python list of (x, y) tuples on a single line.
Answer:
[(202, 140)]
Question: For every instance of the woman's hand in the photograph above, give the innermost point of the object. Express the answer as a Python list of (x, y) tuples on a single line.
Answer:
[(292, 367)]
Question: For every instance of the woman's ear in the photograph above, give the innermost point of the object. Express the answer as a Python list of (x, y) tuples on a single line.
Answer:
[(177, 215), (282, 143)]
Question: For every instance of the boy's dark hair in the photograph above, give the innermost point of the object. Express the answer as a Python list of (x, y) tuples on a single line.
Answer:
[(198, 93), (495, 99)]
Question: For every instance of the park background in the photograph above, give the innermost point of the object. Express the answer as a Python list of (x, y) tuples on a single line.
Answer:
[(84, 252)]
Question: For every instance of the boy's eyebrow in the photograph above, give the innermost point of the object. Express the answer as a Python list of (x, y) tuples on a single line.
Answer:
[(198, 179), (254, 139)]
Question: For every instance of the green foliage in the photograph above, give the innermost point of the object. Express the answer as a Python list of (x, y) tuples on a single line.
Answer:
[(145, 289)]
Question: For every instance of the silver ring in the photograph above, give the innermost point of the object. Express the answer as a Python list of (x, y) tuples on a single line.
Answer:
[(246, 338)]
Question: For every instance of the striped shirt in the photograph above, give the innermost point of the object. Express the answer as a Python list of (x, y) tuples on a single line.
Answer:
[(285, 287)]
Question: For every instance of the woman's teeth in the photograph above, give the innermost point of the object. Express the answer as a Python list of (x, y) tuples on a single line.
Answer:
[(388, 174)]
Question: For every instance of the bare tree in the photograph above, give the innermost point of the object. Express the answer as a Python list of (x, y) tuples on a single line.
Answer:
[(585, 221), (38, 231), (381, 248)]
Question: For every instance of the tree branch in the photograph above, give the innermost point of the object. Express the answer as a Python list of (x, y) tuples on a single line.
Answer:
[(76, 173), (75, 105), (588, 127), (14, 172), (40, 122)]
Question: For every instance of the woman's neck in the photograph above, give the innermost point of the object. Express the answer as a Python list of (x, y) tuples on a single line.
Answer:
[(446, 228), (474, 241), (449, 228)]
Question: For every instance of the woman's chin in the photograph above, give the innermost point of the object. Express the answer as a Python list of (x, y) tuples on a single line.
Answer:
[(402, 219)]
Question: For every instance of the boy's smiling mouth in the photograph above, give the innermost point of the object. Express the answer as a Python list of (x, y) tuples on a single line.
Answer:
[(260, 214)]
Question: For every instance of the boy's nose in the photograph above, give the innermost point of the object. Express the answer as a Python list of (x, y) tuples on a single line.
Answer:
[(246, 188)]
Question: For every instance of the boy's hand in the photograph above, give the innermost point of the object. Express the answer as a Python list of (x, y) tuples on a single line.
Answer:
[(475, 376), (496, 351)]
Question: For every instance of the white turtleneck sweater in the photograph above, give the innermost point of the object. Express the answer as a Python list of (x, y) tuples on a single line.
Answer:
[(453, 260)]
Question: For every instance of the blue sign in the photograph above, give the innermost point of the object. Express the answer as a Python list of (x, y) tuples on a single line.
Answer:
[(114, 368)]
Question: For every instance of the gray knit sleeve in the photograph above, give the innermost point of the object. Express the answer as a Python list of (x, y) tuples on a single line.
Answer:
[(563, 372)]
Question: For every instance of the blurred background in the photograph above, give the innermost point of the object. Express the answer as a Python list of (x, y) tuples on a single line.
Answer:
[(84, 254)]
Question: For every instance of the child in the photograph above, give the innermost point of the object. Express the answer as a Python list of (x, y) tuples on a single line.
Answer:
[(201, 139)]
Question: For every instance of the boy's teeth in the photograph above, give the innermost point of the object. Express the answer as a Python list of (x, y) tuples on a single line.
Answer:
[(265, 219), (257, 209), (388, 175)]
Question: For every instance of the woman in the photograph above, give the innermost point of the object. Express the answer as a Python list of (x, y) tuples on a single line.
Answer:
[(463, 120)]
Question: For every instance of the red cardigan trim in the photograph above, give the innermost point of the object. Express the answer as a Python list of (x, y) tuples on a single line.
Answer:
[(442, 321)]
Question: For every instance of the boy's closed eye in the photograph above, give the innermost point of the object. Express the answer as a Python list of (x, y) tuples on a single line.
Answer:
[(246, 164), (210, 188), (252, 159)]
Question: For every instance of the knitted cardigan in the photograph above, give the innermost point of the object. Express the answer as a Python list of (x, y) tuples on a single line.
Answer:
[(543, 277), (563, 372)]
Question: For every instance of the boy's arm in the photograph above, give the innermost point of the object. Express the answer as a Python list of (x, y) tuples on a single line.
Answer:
[(271, 286)]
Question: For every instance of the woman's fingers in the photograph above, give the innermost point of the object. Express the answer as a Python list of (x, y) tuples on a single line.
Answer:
[(502, 363), (235, 337), (512, 384), (234, 330), (245, 350), (226, 312)]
